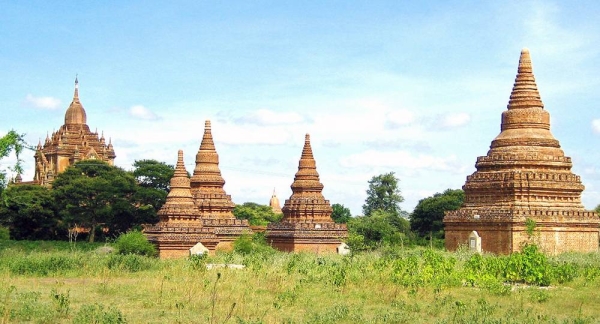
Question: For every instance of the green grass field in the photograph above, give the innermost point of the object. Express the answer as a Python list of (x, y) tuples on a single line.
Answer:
[(50, 282)]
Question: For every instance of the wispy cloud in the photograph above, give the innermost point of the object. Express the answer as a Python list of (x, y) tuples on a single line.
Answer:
[(399, 159), (453, 120), (596, 126), (266, 117), (141, 112), (50, 103), (399, 118)]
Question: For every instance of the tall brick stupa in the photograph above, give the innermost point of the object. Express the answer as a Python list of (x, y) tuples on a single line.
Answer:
[(525, 178), (179, 227), (213, 203), (306, 223)]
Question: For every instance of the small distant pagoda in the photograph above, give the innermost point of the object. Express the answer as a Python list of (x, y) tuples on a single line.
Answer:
[(73, 142), (274, 203), (306, 223), (179, 227), (211, 200), (525, 178)]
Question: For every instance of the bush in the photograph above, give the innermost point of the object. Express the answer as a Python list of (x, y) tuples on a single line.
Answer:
[(256, 243), (4, 234), (134, 242), (97, 314)]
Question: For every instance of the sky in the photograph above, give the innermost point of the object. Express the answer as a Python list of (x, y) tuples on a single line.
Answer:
[(411, 87)]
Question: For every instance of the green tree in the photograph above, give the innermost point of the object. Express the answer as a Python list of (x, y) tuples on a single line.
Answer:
[(12, 141), (340, 214), (28, 212), (153, 179), (428, 215), (256, 214), (597, 210), (92, 193), (379, 229), (153, 174), (383, 194)]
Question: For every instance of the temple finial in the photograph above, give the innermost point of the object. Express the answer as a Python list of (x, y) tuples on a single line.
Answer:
[(76, 94), (525, 93)]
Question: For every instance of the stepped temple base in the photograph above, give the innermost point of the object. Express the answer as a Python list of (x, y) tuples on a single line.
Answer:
[(505, 232), (306, 237)]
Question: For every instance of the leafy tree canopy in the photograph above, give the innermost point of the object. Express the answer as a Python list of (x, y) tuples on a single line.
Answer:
[(383, 194), (256, 214), (91, 192), (12, 141), (28, 212), (429, 212), (153, 178), (340, 214), (153, 174), (379, 229)]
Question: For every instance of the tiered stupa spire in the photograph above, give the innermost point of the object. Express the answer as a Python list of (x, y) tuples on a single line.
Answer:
[(306, 223), (274, 203), (179, 206), (179, 227), (525, 175), (307, 202), (207, 183)]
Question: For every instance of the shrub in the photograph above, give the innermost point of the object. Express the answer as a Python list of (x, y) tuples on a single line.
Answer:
[(134, 242), (256, 243), (4, 234), (97, 314)]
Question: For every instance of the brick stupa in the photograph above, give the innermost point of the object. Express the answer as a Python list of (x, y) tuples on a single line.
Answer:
[(179, 227), (525, 175), (71, 143), (274, 203), (306, 223), (211, 200)]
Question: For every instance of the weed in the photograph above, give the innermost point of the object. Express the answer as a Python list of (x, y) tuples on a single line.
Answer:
[(96, 314)]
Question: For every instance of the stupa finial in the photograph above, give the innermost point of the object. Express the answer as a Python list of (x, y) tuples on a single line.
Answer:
[(525, 93)]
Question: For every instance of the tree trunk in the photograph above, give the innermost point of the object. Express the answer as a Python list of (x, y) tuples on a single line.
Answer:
[(92, 233)]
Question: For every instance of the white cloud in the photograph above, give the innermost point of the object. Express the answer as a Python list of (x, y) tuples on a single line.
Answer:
[(265, 117), (42, 102), (456, 120), (141, 112), (596, 126), (399, 159), (400, 118)]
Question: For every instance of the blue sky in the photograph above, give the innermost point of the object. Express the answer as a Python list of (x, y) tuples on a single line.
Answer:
[(413, 87)]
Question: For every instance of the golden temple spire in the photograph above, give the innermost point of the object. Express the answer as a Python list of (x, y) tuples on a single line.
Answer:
[(76, 94), (75, 114), (525, 93)]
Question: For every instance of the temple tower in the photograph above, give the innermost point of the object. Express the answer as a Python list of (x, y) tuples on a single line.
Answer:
[(524, 176), (72, 142), (179, 227), (211, 200), (306, 223), (274, 203)]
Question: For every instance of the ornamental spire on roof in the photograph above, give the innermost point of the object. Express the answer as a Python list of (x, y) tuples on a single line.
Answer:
[(525, 123), (179, 205), (525, 93), (76, 94), (207, 172), (307, 177), (75, 114)]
